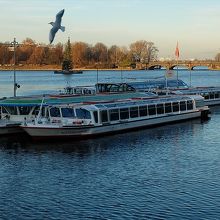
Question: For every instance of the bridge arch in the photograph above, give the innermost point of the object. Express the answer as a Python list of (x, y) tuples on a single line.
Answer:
[(153, 67), (201, 67), (156, 67), (179, 67)]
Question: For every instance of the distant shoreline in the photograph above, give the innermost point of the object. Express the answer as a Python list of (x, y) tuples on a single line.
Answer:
[(55, 67)]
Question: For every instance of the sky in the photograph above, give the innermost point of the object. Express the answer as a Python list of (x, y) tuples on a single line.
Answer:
[(194, 24)]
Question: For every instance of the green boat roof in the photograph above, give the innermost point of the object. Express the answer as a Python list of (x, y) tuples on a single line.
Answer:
[(57, 100)]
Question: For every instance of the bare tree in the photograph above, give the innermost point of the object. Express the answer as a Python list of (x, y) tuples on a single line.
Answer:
[(100, 54), (143, 51), (80, 54)]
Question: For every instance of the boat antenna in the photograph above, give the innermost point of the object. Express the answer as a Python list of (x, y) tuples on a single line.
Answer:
[(40, 111)]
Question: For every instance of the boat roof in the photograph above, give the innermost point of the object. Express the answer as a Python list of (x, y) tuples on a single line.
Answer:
[(146, 85), (145, 102), (158, 83), (51, 100), (197, 90)]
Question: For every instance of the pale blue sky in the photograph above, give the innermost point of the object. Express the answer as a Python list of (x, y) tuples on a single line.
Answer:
[(193, 23)]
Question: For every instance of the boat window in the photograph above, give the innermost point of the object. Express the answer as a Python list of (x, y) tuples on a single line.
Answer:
[(44, 112), (124, 113), (24, 110), (143, 111), (182, 106), (12, 110), (176, 106), (83, 113), (134, 112), (189, 104), (54, 112), (216, 95), (206, 96), (211, 95), (160, 109), (36, 110), (68, 113), (151, 110), (168, 107), (4, 110), (199, 103), (95, 114), (114, 88), (114, 114), (68, 90), (104, 116)]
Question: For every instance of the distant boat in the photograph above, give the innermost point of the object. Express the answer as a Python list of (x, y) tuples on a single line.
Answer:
[(68, 71)]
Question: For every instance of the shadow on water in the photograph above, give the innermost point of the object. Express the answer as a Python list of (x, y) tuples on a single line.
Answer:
[(22, 142)]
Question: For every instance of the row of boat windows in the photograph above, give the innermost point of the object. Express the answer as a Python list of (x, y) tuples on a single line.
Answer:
[(211, 95), (21, 110), (141, 111), (54, 112), (70, 113), (114, 114), (121, 87)]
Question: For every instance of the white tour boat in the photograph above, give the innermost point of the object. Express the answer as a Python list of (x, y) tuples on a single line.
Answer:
[(211, 94), (91, 119), (15, 110), (161, 87)]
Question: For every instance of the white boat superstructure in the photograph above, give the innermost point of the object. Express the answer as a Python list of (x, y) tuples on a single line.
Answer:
[(13, 116), (161, 87), (15, 110), (78, 120), (211, 94)]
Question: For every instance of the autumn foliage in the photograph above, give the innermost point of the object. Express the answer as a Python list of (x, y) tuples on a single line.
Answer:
[(83, 55)]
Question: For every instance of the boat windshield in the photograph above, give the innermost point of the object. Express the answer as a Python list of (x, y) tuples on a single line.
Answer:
[(83, 113), (68, 112)]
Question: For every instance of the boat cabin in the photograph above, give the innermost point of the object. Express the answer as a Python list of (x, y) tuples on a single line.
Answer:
[(145, 86), (118, 112), (79, 90), (19, 113)]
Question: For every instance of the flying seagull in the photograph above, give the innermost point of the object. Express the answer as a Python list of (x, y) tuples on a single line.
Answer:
[(56, 26)]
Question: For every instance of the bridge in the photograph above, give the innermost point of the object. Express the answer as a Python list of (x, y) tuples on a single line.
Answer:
[(171, 64)]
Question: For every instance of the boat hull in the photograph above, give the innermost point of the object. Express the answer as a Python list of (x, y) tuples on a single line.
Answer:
[(10, 129), (44, 131)]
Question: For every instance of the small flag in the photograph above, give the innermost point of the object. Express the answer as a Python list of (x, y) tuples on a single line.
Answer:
[(177, 53)]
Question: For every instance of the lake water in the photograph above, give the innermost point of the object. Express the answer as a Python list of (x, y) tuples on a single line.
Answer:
[(38, 82), (167, 172)]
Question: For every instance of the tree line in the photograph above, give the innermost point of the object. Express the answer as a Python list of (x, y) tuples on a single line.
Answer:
[(82, 55)]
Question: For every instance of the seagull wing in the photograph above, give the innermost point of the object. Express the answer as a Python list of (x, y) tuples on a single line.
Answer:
[(52, 33), (59, 17)]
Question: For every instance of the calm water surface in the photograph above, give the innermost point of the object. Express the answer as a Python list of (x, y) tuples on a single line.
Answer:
[(167, 172)]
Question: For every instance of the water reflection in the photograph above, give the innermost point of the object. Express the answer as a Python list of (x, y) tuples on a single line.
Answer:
[(130, 139)]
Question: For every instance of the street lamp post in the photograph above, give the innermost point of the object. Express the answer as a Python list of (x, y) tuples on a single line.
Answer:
[(15, 44)]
